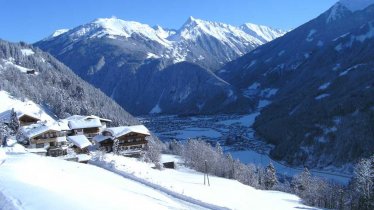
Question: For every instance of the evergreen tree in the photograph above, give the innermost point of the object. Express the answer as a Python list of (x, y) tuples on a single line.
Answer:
[(14, 123), (270, 177)]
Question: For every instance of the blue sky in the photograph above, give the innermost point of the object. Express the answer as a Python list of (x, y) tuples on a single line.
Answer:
[(32, 20)]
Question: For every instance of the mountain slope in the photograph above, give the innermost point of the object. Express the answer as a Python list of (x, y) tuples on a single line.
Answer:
[(53, 85), (136, 64), (322, 81)]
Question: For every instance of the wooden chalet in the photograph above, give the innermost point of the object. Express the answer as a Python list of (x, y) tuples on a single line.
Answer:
[(45, 140), (27, 119), (23, 117), (87, 127), (131, 139)]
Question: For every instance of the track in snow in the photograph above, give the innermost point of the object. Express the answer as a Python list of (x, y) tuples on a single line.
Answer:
[(173, 194)]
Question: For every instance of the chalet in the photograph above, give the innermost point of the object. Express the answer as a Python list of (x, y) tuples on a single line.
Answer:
[(131, 139), (80, 143), (89, 126), (31, 71), (23, 117), (45, 140)]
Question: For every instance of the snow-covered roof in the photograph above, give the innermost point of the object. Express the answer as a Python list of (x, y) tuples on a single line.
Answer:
[(100, 138), (36, 150), (80, 141), (6, 115), (37, 129), (100, 118), (82, 117), (123, 130), (84, 123)]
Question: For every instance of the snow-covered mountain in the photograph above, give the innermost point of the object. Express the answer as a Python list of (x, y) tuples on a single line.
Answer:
[(319, 80), (141, 66), (356, 5), (196, 41)]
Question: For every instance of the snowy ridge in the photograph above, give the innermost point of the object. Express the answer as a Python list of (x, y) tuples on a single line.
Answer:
[(356, 5), (176, 44), (194, 28), (263, 33), (343, 6), (59, 32)]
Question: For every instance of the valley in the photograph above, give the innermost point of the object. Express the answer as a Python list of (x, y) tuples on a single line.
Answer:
[(236, 135)]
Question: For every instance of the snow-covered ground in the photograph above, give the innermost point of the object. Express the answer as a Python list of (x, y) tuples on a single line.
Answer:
[(28, 181), (222, 192)]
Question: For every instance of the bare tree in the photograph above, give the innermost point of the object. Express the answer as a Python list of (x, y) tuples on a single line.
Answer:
[(364, 183)]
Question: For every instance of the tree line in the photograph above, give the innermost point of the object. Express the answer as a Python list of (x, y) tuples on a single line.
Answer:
[(314, 191)]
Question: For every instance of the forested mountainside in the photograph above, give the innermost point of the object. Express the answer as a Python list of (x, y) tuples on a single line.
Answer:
[(28, 72), (119, 57), (322, 82)]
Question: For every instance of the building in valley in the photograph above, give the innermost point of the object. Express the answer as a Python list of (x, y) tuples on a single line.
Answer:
[(44, 139), (89, 126), (130, 140)]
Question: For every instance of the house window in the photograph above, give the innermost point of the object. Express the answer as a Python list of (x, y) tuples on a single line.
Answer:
[(40, 145)]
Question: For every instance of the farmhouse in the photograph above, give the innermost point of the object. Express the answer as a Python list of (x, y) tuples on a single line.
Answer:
[(45, 139), (89, 126), (131, 139)]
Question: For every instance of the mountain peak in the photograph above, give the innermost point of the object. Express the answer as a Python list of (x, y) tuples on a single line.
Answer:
[(59, 32), (356, 5), (192, 21)]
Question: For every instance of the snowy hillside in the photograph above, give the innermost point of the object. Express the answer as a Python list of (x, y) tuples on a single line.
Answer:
[(222, 192), (26, 72), (8, 102), (321, 81), (33, 182)]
